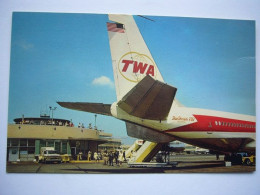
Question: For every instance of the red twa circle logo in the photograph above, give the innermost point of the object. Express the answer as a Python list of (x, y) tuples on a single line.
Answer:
[(134, 66)]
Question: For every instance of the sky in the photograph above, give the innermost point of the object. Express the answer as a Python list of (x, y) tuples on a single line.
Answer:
[(66, 57)]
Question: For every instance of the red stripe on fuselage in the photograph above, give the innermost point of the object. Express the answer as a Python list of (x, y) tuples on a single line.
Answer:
[(216, 124)]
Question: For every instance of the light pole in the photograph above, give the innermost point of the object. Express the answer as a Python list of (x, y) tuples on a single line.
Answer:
[(95, 121), (52, 109)]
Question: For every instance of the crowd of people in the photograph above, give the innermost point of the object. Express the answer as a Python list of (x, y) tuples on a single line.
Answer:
[(112, 158), (55, 122)]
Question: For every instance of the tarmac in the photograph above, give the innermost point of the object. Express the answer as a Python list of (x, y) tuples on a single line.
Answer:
[(186, 164)]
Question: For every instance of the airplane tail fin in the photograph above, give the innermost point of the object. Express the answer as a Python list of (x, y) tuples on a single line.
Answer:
[(131, 58)]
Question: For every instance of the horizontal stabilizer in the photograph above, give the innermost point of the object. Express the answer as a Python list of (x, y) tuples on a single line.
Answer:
[(97, 108), (149, 99), (147, 134)]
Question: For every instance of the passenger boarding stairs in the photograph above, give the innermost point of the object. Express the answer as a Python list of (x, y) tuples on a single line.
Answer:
[(143, 153)]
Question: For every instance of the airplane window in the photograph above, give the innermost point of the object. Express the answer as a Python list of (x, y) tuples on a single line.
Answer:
[(219, 123), (216, 122)]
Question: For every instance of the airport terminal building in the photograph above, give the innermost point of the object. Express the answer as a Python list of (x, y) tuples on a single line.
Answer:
[(27, 135)]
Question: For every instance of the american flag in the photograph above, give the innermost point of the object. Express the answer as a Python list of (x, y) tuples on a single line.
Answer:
[(114, 27)]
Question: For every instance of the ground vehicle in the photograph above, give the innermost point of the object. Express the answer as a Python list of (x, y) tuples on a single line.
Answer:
[(241, 158), (48, 154), (248, 159), (199, 150)]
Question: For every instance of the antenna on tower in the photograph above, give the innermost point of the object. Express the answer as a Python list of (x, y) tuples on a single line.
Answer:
[(146, 18), (45, 112)]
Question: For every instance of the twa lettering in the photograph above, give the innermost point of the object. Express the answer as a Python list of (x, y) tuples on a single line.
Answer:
[(138, 67)]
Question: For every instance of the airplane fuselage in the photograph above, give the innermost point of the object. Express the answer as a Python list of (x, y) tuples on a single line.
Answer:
[(216, 130)]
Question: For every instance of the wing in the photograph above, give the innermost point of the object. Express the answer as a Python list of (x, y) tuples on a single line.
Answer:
[(97, 108)]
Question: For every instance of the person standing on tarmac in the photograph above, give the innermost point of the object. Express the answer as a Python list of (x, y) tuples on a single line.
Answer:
[(80, 155), (89, 155), (111, 157), (116, 157), (124, 156), (120, 158), (105, 157)]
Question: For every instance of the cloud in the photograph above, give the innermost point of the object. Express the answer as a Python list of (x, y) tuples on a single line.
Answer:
[(25, 45), (247, 58), (103, 81)]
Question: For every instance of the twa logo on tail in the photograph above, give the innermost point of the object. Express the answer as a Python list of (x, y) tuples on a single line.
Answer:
[(134, 66)]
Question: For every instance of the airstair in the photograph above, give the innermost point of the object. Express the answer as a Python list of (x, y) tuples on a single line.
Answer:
[(141, 155), (142, 151), (147, 151), (137, 144)]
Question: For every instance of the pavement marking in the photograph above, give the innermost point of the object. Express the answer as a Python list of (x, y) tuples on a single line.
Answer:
[(84, 170), (39, 168)]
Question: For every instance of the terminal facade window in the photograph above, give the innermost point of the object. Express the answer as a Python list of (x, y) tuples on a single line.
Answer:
[(24, 146)]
